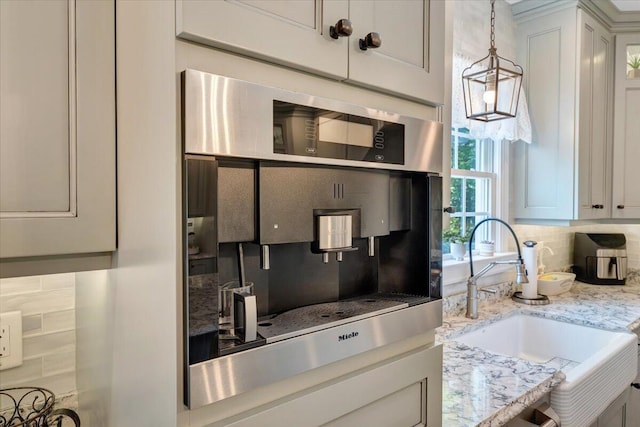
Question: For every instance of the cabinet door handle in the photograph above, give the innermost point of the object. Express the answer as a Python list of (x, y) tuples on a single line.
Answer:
[(343, 28), (371, 40), (597, 206), (635, 385), (620, 206)]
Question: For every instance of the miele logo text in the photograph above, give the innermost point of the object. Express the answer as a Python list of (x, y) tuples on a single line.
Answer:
[(347, 336)]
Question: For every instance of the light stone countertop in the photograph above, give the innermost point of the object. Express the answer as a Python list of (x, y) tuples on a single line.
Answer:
[(485, 389)]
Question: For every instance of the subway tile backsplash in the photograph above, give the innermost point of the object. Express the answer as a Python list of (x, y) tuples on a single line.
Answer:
[(48, 328), (560, 240)]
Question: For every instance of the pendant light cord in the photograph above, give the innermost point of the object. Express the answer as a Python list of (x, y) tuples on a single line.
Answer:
[(493, 22)]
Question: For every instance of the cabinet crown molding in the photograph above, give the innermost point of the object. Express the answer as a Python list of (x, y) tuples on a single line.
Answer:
[(604, 10)]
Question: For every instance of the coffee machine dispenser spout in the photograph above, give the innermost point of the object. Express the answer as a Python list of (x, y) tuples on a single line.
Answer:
[(265, 262), (372, 246), (334, 235)]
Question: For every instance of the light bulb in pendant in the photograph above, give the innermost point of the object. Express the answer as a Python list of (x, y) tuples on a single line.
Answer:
[(489, 95)]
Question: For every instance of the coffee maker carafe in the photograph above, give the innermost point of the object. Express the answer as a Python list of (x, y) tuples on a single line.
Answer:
[(600, 258)]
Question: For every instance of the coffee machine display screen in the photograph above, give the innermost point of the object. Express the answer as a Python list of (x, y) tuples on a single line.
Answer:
[(309, 131)]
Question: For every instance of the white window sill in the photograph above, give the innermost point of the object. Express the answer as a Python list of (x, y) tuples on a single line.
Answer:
[(456, 273)]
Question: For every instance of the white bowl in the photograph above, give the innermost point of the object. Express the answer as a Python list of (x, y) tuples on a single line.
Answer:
[(555, 283)]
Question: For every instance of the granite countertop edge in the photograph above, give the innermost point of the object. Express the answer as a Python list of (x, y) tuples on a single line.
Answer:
[(576, 306), (523, 402)]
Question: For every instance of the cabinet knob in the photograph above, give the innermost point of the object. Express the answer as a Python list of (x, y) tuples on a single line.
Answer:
[(343, 28), (597, 206), (371, 40), (620, 206), (449, 210)]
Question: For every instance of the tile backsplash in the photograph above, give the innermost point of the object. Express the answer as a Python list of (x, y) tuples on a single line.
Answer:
[(47, 304), (560, 240)]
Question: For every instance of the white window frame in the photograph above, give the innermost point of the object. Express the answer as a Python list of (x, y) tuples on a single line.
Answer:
[(456, 272), (485, 161)]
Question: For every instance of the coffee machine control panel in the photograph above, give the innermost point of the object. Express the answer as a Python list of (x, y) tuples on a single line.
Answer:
[(304, 130)]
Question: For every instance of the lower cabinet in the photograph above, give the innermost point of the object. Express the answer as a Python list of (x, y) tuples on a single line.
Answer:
[(622, 412), (405, 407), (633, 406), (406, 391), (616, 414)]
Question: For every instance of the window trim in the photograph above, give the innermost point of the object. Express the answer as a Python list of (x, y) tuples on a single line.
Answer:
[(488, 156)]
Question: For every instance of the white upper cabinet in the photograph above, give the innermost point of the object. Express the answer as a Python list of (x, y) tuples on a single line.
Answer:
[(57, 128), (409, 60), (626, 139), (594, 118), (291, 32), (568, 76)]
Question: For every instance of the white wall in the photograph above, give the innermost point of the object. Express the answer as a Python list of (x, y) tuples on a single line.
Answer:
[(146, 277), (472, 28)]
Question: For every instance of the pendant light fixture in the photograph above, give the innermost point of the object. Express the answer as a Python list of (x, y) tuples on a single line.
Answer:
[(491, 86)]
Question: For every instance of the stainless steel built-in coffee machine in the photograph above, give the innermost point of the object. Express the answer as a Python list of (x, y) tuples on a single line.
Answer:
[(312, 232), (600, 258)]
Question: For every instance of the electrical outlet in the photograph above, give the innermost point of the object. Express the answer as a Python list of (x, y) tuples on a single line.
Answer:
[(10, 339)]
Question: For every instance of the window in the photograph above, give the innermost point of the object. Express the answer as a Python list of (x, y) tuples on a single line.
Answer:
[(473, 183)]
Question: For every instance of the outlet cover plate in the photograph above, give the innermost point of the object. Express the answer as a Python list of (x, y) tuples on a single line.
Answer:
[(10, 339)]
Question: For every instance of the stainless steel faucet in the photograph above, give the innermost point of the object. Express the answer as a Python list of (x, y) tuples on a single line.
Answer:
[(472, 282), (472, 285)]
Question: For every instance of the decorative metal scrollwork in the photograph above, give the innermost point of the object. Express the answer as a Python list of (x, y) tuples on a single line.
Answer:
[(32, 407)]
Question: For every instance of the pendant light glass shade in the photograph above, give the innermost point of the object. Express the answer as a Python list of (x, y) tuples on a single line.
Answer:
[(491, 86)]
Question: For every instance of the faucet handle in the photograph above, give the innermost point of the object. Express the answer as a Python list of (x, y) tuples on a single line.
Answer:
[(489, 290), (521, 274)]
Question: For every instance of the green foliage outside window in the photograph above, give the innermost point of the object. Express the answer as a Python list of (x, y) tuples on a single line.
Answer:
[(467, 154), (466, 160), (455, 235)]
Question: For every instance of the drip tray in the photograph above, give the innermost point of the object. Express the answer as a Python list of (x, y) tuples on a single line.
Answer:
[(304, 320)]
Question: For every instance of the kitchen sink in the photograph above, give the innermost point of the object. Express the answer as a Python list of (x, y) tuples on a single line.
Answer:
[(598, 364)]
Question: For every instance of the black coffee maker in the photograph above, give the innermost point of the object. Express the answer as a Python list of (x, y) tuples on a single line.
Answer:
[(600, 258)]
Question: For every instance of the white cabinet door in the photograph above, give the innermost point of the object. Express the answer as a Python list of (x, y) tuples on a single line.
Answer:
[(405, 392), (410, 60), (36, 102), (633, 406), (296, 33), (626, 143), (544, 170), (293, 33), (57, 128), (404, 408), (566, 173), (595, 118), (616, 414)]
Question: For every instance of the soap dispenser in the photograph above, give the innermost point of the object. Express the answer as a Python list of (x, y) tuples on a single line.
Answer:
[(530, 258)]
